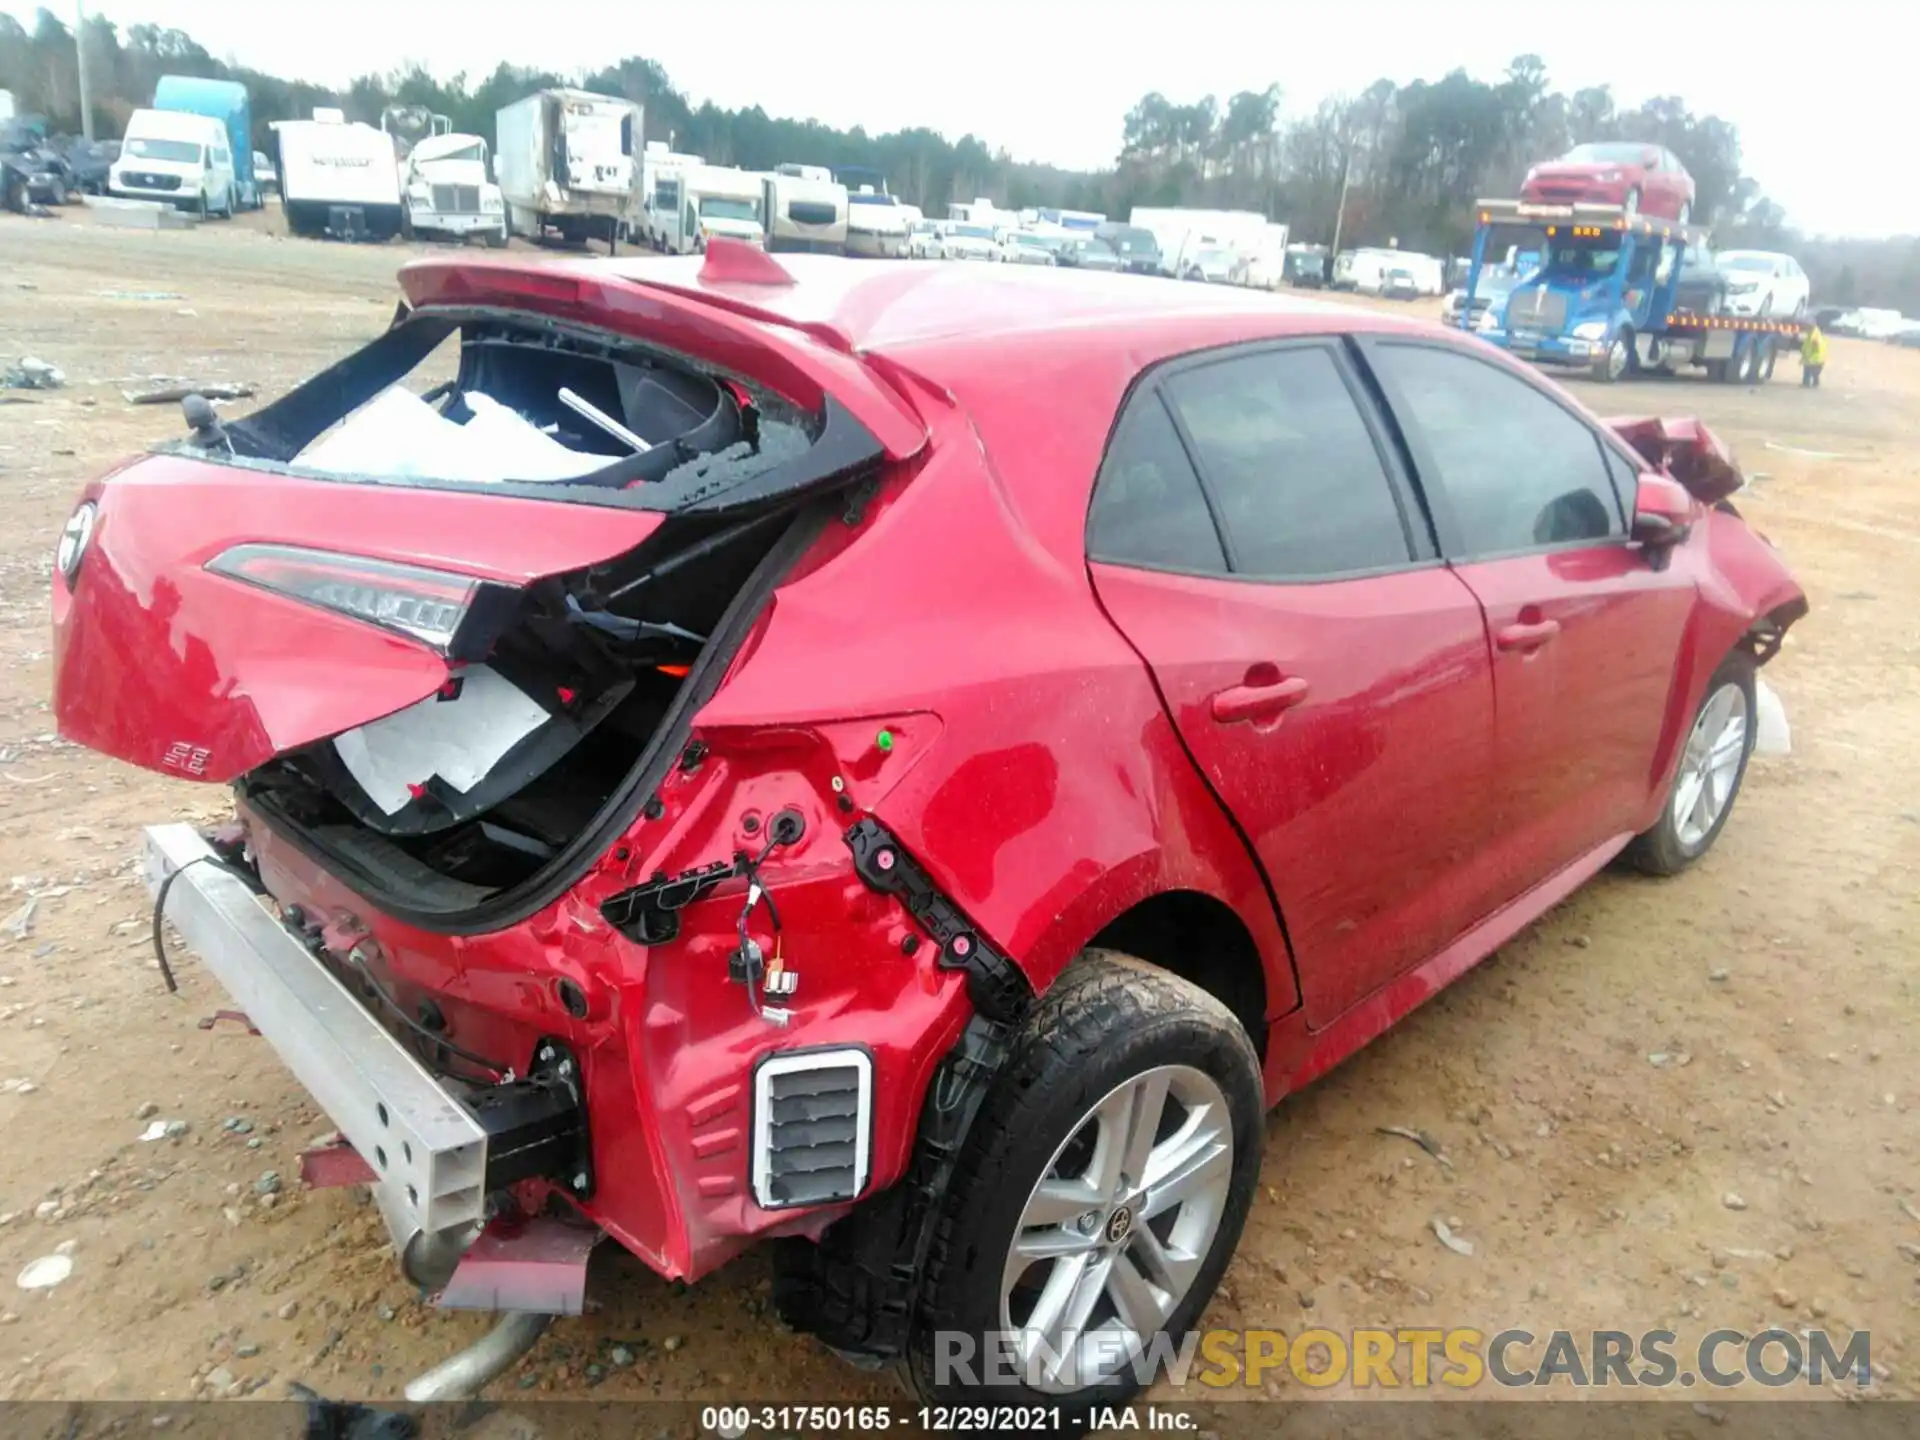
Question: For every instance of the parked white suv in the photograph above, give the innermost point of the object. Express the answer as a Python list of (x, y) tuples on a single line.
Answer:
[(1763, 282)]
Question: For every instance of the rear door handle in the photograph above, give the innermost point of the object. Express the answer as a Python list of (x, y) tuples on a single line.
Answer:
[(1258, 702), (1527, 638)]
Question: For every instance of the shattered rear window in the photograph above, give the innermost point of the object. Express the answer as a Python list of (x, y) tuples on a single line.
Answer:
[(534, 407)]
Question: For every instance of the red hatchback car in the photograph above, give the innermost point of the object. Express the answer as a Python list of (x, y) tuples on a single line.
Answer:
[(951, 747), (1646, 179)]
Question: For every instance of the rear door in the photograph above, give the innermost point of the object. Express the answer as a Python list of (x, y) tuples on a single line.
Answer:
[(1530, 502), (1253, 537)]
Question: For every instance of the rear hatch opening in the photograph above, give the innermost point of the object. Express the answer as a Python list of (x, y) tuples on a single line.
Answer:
[(484, 784), (562, 692)]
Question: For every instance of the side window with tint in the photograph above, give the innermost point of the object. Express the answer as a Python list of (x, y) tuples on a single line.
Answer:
[(1625, 475), (1519, 470), (1147, 505), (1301, 488)]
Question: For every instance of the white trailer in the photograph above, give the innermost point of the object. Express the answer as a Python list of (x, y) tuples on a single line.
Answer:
[(569, 161), (983, 212), (717, 200), (804, 208), (1182, 232), (337, 179)]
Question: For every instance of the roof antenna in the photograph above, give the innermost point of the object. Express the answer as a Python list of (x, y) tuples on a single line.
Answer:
[(735, 262)]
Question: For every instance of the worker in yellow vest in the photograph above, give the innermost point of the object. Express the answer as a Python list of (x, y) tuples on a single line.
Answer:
[(1813, 357)]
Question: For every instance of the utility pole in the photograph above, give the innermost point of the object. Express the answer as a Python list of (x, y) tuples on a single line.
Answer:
[(80, 55), (1346, 179)]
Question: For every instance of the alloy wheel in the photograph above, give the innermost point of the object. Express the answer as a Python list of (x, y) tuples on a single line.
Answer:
[(1710, 767), (1117, 1228)]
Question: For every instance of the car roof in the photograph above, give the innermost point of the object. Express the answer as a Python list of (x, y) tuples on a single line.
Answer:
[(1039, 360), (891, 307)]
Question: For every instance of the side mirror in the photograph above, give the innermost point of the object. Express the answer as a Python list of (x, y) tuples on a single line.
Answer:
[(1663, 511)]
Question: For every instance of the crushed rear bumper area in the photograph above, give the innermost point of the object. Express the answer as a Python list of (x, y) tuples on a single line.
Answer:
[(435, 1149), (424, 1146)]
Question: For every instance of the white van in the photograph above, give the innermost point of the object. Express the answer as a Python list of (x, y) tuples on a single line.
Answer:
[(181, 159)]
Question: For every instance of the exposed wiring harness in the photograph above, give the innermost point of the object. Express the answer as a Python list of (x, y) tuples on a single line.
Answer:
[(160, 910), (495, 1074), (750, 960)]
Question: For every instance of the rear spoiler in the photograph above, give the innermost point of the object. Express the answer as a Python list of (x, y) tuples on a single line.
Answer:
[(1686, 450)]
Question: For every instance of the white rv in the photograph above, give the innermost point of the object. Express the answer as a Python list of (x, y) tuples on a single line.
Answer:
[(448, 193), (177, 158), (569, 161), (804, 208), (337, 179), (661, 171), (717, 200)]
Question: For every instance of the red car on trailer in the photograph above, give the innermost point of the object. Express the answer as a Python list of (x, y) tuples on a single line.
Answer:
[(1644, 179)]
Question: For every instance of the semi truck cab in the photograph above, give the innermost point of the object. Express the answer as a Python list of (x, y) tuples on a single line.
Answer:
[(1606, 295)]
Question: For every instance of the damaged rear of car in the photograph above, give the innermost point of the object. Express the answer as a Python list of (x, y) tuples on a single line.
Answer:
[(446, 635)]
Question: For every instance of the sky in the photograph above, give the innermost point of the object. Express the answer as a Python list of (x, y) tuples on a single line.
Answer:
[(1050, 80)]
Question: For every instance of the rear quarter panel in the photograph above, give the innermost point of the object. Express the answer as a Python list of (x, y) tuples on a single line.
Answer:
[(1058, 793)]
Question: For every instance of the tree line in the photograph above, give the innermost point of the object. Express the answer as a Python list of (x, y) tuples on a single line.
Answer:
[(1397, 163)]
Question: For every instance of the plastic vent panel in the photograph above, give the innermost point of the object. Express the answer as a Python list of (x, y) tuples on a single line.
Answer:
[(812, 1127)]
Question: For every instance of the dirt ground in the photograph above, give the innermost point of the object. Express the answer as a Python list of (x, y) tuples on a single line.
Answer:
[(1601, 1087)]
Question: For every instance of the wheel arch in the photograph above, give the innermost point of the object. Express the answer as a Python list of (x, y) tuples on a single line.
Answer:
[(1203, 940), (1747, 601)]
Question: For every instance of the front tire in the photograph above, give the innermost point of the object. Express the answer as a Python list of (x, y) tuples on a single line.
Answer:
[(1100, 1195), (1713, 762), (1618, 362)]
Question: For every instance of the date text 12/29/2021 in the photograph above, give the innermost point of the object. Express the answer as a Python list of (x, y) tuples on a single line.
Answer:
[(732, 1422)]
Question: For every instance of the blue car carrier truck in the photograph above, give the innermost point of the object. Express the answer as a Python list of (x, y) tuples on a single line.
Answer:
[(227, 102), (1604, 296)]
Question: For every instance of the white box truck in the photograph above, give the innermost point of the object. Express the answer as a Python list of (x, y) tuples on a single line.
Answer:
[(569, 161), (338, 180), (661, 171), (717, 200)]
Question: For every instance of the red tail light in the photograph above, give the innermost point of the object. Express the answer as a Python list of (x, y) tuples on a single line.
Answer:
[(425, 605)]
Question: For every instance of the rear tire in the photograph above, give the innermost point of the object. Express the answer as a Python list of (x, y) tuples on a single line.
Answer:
[(1123, 1071), (1706, 782)]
